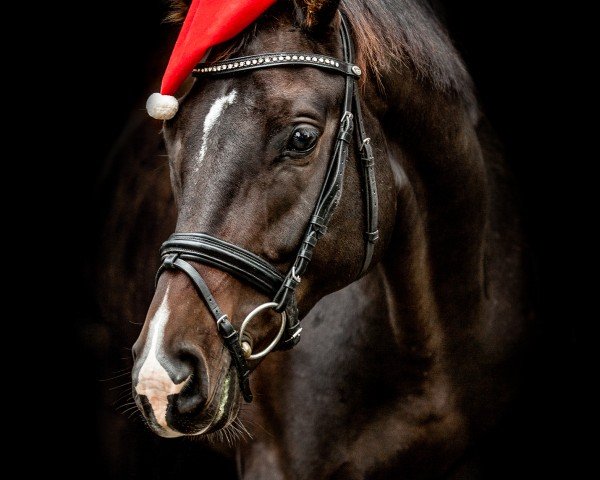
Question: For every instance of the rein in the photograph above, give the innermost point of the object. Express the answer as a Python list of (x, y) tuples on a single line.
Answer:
[(182, 248)]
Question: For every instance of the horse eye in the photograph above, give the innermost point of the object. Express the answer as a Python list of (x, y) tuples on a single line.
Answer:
[(303, 139)]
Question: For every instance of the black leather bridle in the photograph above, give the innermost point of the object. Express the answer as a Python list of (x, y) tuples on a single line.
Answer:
[(181, 248)]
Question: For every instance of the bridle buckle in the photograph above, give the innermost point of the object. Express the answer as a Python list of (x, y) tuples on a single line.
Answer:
[(295, 276)]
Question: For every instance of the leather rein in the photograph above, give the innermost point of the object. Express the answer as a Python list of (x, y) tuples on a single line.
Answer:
[(182, 248)]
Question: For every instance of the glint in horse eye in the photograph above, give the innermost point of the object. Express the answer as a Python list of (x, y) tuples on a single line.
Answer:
[(303, 139)]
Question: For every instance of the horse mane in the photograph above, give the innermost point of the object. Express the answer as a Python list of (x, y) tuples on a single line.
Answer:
[(390, 35), (177, 10), (395, 34)]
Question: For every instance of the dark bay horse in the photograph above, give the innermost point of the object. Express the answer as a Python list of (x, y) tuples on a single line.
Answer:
[(399, 372)]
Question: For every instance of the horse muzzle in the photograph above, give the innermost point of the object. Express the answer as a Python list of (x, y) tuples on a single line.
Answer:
[(184, 403)]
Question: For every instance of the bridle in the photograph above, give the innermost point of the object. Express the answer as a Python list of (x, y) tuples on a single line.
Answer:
[(181, 248)]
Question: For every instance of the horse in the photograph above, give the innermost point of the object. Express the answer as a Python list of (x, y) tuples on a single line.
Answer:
[(401, 369)]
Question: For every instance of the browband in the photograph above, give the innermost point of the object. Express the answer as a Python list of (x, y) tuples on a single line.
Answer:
[(282, 59)]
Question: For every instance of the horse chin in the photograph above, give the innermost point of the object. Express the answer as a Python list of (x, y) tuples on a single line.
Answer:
[(226, 405)]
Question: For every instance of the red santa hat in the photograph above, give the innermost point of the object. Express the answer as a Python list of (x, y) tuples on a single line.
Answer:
[(207, 23)]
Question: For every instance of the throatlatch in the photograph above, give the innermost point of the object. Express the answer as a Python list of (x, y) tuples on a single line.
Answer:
[(182, 248)]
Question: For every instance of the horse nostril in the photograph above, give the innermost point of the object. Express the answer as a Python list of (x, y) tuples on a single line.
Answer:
[(184, 369), (192, 398)]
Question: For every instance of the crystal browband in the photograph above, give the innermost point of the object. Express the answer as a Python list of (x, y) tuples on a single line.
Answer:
[(277, 60)]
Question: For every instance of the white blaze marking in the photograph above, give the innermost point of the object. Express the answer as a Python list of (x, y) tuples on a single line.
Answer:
[(216, 109), (153, 380)]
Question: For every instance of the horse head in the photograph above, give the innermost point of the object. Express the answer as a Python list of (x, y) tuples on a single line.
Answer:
[(249, 154)]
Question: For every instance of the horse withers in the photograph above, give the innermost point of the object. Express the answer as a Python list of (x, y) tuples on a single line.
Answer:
[(400, 368)]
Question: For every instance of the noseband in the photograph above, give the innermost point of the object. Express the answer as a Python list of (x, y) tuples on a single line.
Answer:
[(181, 248)]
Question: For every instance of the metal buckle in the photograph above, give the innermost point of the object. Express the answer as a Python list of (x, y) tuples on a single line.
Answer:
[(296, 334), (364, 143), (296, 278), (275, 341)]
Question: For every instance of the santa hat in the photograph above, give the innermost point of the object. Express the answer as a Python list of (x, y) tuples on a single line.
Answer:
[(207, 23)]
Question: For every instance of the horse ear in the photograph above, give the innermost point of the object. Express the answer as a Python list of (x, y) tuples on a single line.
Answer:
[(316, 15)]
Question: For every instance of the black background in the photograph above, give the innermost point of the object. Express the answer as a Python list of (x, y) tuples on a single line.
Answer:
[(520, 60)]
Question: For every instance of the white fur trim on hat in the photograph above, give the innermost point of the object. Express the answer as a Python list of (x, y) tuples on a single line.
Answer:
[(162, 107)]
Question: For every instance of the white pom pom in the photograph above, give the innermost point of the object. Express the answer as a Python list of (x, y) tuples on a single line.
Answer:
[(162, 107)]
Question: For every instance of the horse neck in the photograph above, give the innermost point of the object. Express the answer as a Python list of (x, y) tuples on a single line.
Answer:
[(433, 270)]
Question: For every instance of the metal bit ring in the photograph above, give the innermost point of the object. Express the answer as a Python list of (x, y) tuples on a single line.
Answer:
[(275, 341)]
